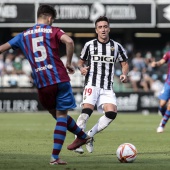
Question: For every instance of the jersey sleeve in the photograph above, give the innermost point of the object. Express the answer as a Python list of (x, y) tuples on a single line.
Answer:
[(122, 55), (85, 52), (14, 42), (59, 32), (166, 56)]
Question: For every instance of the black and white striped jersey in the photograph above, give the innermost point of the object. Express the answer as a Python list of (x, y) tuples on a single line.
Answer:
[(101, 58)]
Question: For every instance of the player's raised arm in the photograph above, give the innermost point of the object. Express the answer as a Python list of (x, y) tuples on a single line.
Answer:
[(4, 47)]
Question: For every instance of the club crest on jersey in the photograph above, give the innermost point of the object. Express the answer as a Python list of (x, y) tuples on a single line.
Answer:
[(112, 48), (103, 58)]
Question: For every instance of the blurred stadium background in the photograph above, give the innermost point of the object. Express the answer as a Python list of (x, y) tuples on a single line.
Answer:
[(141, 26)]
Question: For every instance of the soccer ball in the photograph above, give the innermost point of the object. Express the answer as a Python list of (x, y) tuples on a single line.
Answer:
[(126, 153)]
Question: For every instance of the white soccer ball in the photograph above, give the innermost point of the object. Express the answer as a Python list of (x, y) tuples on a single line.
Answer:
[(126, 153)]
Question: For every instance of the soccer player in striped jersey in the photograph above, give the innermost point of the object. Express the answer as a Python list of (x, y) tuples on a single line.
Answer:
[(40, 45), (164, 97), (96, 63)]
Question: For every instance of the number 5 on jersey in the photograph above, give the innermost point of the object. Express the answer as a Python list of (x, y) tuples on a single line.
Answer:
[(36, 47)]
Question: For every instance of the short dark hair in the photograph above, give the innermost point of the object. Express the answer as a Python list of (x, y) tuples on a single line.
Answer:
[(46, 10), (102, 18)]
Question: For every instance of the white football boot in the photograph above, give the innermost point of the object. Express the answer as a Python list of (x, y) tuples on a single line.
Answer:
[(160, 129), (79, 150), (89, 146)]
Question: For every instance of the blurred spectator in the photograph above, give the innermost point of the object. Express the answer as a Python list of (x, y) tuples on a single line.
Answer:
[(166, 48), (138, 61), (1, 64), (76, 79), (129, 48), (146, 81), (164, 76), (148, 55), (156, 85), (26, 68), (135, 77), (17, 64), (74, 60), (10, 77), (8, 65), (148, 60), (13, 80), (140, 80), (15, 72)]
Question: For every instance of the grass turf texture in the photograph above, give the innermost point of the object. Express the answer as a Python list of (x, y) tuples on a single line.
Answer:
[(26, 143)]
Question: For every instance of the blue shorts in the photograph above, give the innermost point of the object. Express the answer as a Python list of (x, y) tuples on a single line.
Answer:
[(165, 93), (58, 96), (65, 98)]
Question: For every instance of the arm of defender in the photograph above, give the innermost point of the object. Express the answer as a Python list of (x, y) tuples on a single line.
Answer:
[(83, 69), (125, 70)]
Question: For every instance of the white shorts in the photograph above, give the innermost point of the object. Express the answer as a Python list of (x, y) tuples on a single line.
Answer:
[(98, 96)]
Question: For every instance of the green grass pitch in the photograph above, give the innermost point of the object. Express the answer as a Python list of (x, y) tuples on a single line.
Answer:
[(26, 143)]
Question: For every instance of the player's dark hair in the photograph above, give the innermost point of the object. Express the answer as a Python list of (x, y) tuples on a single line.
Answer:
[(46, 10), (102, 18)]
